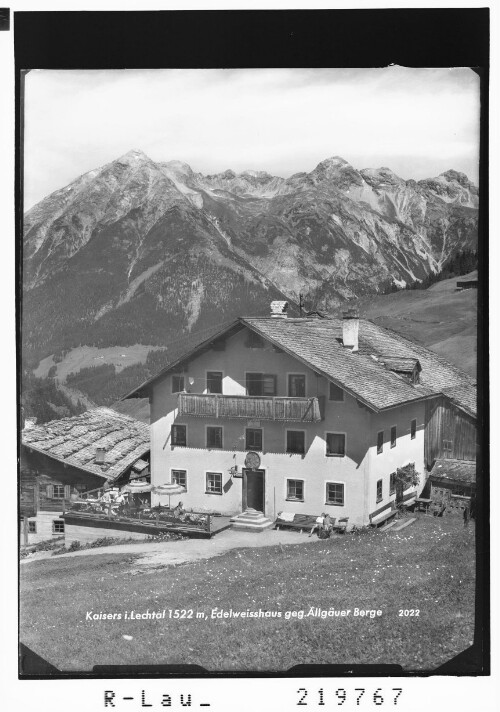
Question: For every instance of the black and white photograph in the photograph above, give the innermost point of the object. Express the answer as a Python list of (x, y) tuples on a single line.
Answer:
[(251, 417)]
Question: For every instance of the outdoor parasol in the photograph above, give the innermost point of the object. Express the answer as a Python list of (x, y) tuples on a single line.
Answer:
[(169, 489), (138, 487)]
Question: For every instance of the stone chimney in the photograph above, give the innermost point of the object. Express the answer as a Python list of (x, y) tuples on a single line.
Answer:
[(350, 329), (279, 310), (100, 456)]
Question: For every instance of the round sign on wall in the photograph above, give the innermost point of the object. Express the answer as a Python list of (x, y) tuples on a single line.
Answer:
[(252, 460)]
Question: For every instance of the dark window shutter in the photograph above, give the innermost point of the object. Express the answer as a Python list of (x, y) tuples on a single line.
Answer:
[(269, 385), (67, 491)]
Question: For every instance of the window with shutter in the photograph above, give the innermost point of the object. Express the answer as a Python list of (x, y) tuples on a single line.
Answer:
[(253, 439), (214, 381), (335, 444), (295, 490), (179, 477), (178, 435), (260, 384), (392, 483), (335, 493), (296, 385), (380, 442), (268, 385), (379, 490), (214, 437), (214, 483), (58, 491), (296, 442)]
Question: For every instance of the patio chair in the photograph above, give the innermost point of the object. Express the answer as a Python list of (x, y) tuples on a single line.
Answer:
[(341, 525)]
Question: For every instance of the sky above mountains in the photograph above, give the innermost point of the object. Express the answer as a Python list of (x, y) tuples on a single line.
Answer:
[(419, 122)]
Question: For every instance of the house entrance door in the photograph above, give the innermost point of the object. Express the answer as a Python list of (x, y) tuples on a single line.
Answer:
[(253, 490)]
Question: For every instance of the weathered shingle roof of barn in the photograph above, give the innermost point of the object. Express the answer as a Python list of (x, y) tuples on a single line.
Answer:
[(464, 396), (456, 470), (318, 344), (75, 441)]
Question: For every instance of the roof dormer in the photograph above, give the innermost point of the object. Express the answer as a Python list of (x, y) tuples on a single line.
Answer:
[(408, 368)]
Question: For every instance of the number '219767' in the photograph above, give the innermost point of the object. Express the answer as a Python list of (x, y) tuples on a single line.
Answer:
[(378, 698)]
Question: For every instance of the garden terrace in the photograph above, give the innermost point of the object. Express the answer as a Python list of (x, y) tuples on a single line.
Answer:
[(149, 520)]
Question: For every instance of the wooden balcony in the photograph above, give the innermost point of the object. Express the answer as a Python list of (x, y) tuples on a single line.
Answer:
[(299, 410)]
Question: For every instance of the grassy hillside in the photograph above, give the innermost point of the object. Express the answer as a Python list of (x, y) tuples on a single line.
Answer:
[(441, 318), (428, 567), (88, 356)]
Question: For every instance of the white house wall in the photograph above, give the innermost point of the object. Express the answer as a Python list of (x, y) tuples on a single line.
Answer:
[(44, 527), (358, 470), (405, 451)]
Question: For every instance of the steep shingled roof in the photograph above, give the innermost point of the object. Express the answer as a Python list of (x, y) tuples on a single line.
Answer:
[(75, 440), (318, 344)]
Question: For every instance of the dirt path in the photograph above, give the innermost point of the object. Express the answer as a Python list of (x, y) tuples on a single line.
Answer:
[(177, 552)]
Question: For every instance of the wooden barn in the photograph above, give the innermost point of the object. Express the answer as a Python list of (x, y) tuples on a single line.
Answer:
[(451, 425), (453, 483), (66, 457)]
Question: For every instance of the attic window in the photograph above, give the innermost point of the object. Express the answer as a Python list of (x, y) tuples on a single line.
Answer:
[(100, 456), (177, 383), (254, 341)]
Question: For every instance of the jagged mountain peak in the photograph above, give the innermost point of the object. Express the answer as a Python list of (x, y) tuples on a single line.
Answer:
[(138, 251), (452, 187), (333, 161), (179, 167), (132, 156), (257, 174), (457, 176), (336, 171), (380, 177)]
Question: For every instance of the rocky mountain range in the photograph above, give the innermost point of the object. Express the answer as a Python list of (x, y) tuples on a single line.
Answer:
[(141, 251)]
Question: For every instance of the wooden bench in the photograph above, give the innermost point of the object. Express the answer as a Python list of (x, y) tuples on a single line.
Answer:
[(384, 516), (299, 522)]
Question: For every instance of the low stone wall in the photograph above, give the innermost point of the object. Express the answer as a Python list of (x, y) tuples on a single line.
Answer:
[(87, 534)]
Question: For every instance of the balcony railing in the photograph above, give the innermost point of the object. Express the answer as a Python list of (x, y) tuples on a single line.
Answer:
[(303, 410)]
